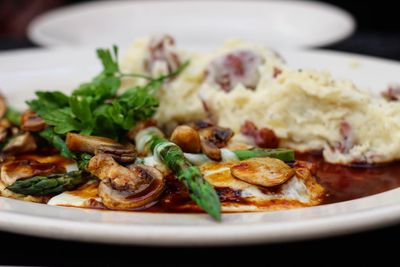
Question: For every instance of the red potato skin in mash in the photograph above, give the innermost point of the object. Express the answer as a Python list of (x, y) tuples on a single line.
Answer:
[(262, 137), (392, 93), (345, 131), (161, 48), (238, 67)]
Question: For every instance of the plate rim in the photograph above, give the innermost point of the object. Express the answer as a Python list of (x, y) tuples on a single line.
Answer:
[(206, 235)]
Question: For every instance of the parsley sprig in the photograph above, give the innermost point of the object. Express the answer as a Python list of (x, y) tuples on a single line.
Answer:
[(95, 108)]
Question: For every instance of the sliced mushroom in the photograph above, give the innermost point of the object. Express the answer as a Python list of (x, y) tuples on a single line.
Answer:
[(20, 169), (31, 122), (106, 168), (3, 106), (5, 126), (211, 150), (200, 124), (262, 171), (20, 144), (187, 138), (212, 139), (219, 136), (126, 187), (121, 154), (98, 145), (237, 67)]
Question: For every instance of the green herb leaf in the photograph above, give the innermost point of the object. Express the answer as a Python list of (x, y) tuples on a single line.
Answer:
[(109, 59), (95, 108), (81, 109), (13, 116), (48, 101), (83, 160), (56, 141), (101, 88), (135, 105)]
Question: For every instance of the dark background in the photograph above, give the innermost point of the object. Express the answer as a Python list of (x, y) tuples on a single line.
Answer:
[(378, 34)]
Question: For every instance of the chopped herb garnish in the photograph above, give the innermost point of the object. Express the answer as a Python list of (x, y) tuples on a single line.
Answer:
[(95, 108)]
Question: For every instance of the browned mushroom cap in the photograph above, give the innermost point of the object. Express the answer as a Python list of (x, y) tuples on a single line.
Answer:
[(5, 125), (219, 136), (106, 168), (123, 200), (97, 145), (200, 124), (31, 122), (262, 171), (7, 129), (212, 139), (20, 144), (119, 153), (211, 150), (187, 138), (20, 169), (126, 187), (3, 106)]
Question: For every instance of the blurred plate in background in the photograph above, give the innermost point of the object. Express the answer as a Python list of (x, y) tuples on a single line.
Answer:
[(197, 24)]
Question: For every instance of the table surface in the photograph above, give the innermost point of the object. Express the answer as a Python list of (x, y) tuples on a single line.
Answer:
[(32, 251)]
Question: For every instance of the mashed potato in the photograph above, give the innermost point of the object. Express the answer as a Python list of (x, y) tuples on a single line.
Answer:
[(306, 109)]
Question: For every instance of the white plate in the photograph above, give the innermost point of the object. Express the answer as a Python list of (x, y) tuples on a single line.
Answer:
[(196, 24), (22, 72)]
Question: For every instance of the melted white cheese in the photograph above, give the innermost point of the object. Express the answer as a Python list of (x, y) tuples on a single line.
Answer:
[(197, 159), (72, 167), (151, 161), (228, 155), (68, 199)]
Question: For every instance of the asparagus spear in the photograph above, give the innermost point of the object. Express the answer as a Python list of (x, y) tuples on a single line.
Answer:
[(152, 140), (45, 185), (55, 140), (283, 154)]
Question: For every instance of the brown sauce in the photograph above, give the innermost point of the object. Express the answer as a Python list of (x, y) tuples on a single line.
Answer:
[(45, 158), (86, 191), (344, 183), (341, 183), (174, 197)]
